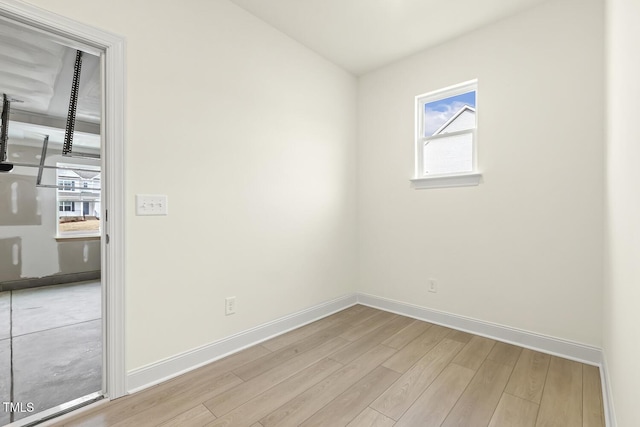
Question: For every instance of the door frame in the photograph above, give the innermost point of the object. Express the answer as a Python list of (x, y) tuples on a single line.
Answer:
[(112, 50)]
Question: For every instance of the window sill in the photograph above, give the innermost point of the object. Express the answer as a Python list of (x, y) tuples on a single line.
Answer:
[(72, 238), (444, 181)]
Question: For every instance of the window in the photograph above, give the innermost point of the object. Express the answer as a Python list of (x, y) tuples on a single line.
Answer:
[(66, 206), (66, 185), (446, 144), (78, 197)]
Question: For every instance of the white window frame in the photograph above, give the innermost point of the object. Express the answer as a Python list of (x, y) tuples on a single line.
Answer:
[(459, 179)]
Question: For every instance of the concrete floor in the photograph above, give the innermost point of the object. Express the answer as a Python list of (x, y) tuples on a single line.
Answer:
[(55, 334)]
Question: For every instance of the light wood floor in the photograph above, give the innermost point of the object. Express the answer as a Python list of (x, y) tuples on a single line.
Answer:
[(365, 367)]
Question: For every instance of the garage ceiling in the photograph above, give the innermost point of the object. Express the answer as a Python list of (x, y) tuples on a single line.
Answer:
[(36, 73)]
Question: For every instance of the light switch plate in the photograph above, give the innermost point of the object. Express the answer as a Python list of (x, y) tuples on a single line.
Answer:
[(151, 204)]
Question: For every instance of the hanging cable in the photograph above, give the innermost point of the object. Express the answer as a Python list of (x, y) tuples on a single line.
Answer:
[(4, 134), (73, 104), (6, 104)]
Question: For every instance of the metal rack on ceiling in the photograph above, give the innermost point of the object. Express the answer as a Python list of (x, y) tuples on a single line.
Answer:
[(67, 148)]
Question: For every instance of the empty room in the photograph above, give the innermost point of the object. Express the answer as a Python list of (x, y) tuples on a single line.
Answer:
[(332, 213)]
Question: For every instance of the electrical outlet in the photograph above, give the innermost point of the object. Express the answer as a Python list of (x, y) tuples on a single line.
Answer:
[(230, 306), (433, 285)]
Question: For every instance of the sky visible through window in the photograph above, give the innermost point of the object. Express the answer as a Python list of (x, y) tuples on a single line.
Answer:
[(437, 113)]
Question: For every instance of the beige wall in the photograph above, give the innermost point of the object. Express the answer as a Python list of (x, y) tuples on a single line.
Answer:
[(252, 137), (622, 290), (524, 248)]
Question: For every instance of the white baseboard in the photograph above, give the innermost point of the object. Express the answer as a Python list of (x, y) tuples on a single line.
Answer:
[(163, 370), (555, 346)]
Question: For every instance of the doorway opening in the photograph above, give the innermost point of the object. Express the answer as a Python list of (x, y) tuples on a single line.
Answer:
[(61, 256)]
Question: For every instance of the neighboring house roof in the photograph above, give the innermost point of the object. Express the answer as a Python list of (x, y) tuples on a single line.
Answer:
[(87, 174), (68, 173), (75, 174), (454, 117)]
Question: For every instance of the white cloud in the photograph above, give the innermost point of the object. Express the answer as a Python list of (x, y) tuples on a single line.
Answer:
[(434, 118)]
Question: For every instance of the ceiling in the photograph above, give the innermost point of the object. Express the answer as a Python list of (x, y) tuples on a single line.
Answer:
[(362, 35), (358, 35), (36, 73)]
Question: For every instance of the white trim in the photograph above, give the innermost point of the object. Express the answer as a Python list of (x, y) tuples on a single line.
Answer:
[(114, 220), (57, 421), (112, 47), (607, 397), (163, 370), (444, 181), (546, 344), (51, 415), (449, 91)]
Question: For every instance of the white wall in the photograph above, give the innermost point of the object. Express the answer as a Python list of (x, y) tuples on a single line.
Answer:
[(252, 137), (524, 248), (622, 290)]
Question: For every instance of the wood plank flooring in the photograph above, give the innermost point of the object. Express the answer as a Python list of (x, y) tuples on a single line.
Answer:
[(364, 367)]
